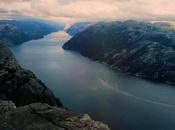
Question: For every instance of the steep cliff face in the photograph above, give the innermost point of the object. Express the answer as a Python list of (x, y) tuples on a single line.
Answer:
[(20, 85), (27, 104), (137, 48)]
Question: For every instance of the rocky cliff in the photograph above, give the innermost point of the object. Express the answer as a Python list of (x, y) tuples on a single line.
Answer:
[(44, 117), (27, 104), (138, 48), (20, 85)]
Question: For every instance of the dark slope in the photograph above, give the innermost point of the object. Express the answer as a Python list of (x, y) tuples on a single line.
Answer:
[(15, 32), (78, 27), (20, 85), (137, 48)]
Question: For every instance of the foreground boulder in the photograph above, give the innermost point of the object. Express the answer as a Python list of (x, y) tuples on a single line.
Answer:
[(44, 117)]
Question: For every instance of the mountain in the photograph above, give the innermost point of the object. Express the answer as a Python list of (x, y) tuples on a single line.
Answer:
[(27, 104), (137, 48), (15, 32), (78, 27)]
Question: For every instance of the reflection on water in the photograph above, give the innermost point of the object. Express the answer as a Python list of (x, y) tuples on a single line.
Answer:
[(61, 36), (57, 50), (123, 102)]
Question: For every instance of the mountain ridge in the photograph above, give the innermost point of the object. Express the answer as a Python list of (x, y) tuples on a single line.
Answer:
[(16, 32), (77, 28), (138, 48)]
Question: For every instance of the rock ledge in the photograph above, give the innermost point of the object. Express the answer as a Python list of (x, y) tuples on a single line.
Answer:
[(40, 116)]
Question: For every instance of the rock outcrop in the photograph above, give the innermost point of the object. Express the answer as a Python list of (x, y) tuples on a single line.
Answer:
[(137, 48), (24, 102), (20, 85), (40, 116)]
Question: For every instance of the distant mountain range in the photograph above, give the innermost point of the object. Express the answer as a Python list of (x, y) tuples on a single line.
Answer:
[(137, 48), (78, 27), (15, 32)]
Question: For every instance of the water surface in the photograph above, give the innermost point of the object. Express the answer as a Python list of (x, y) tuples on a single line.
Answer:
[(124, 102)]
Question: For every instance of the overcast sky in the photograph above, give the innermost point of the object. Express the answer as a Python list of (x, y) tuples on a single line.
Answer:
[(70, 11)]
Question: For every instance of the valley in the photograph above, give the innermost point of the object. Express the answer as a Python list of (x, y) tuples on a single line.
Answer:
[(117, 99)]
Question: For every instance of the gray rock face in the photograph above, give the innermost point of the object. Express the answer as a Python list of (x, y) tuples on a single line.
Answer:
[(6, 106), (23, 88), (20, 85), (44, 117), (136, 48)]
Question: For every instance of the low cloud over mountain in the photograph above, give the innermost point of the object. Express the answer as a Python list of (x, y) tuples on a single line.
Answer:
[(71, 11)]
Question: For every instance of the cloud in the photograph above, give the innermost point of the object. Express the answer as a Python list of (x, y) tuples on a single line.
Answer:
[(3, 10), (69, 11)]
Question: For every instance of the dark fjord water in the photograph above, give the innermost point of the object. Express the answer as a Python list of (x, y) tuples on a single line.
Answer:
[(124, 102)]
